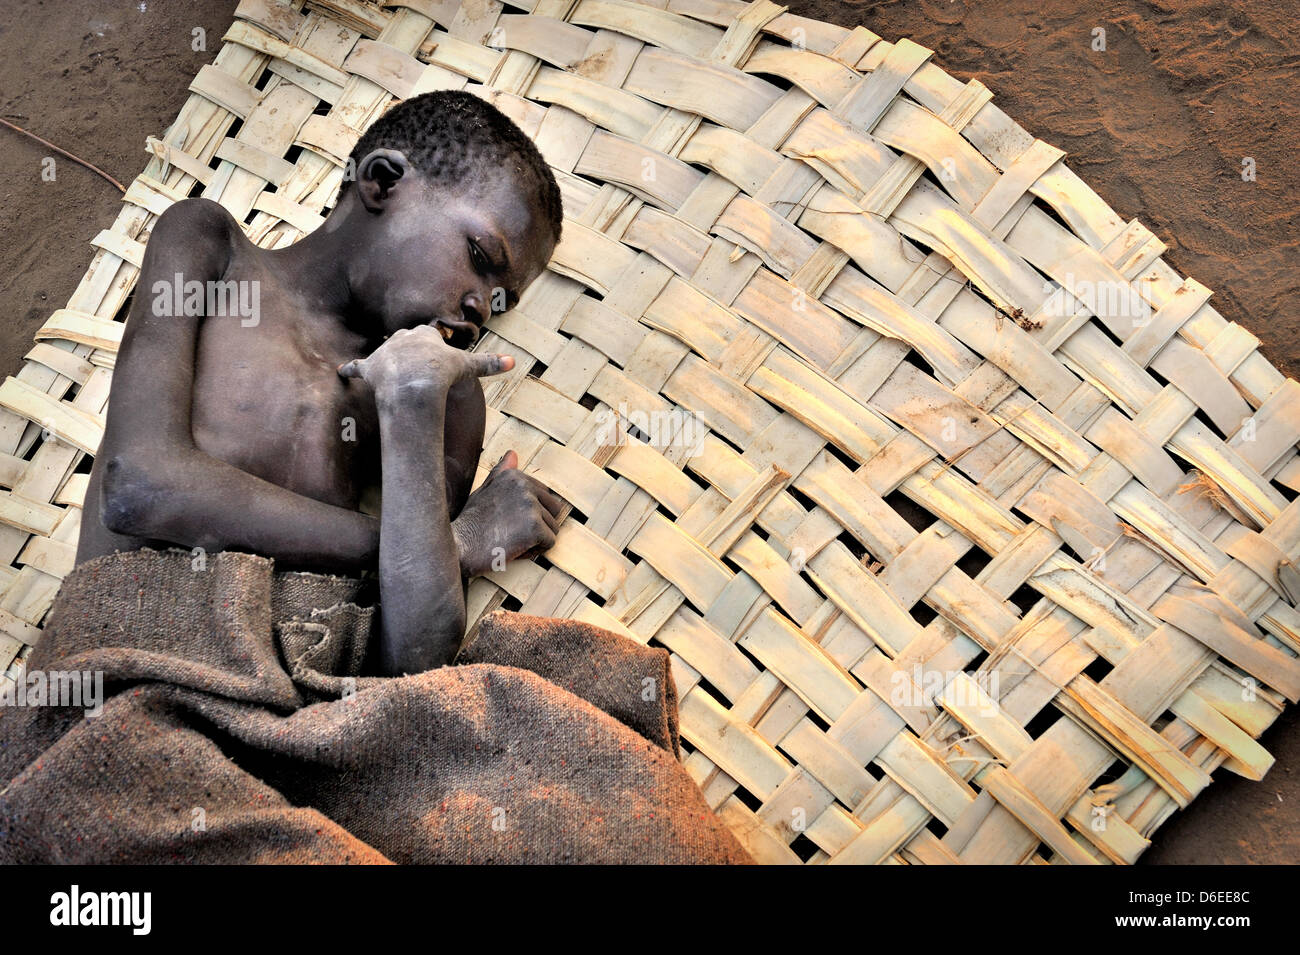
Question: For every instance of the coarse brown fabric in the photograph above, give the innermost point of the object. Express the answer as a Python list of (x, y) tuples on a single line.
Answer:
[(236, 727)]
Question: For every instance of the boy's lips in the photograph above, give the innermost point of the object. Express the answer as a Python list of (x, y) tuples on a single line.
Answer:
[(460, 334)]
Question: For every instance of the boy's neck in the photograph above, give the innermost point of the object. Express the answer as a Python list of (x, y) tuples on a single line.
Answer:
[(318, 266)]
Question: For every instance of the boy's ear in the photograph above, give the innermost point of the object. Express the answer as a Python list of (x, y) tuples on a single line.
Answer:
[(377, 174)]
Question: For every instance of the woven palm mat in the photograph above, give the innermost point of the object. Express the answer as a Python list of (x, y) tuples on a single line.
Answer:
[(967, 521)]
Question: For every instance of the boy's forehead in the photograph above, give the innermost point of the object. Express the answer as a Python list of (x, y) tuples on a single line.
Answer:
[(515, 210), (514, 214)]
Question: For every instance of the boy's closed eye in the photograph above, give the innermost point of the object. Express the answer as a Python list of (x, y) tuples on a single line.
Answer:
[(479, 259), (488, 255)]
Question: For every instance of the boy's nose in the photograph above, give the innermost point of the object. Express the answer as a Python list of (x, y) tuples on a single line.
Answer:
[(472, 307)]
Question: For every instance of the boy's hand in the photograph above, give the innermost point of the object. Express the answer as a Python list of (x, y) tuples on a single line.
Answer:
[(511, 514), (415, 366)]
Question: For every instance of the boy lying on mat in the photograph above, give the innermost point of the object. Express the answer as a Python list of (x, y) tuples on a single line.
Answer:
[(261, 433), (278, 719)]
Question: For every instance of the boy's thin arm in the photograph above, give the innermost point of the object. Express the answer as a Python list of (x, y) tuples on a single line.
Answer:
[(156, 482), (421, 588)]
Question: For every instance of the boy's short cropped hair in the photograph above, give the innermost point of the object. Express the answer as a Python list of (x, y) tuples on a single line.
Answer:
[(456, 138)]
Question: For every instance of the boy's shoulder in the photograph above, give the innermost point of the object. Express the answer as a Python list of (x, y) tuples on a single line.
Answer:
[(200, 224), (198, 212)]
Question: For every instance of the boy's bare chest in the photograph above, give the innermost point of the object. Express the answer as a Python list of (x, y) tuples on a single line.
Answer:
[(268, 399)]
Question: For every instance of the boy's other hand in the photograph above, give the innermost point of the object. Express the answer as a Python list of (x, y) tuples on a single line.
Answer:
[(510, 515), (415, 366)]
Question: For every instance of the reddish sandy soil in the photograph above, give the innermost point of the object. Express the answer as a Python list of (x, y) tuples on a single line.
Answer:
[(1158, 124)]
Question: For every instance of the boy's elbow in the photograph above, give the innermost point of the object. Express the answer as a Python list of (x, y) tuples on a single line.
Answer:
[(129, 495)]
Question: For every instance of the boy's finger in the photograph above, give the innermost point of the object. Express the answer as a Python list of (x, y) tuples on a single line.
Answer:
[(551, 520), (545, 496), (551, 502), (351, 369), (508, 460), (485, 364), (542, 546)]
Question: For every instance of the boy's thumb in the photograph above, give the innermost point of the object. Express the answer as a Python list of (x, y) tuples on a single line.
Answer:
[(508, 460)]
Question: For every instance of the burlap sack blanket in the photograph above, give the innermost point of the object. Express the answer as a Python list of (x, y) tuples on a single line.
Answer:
[(236, 728)]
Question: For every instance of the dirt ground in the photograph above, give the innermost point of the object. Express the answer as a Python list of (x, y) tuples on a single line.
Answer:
[(1158, 123)]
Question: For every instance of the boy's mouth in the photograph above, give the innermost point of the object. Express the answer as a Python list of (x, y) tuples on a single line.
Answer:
[(458, 334)]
